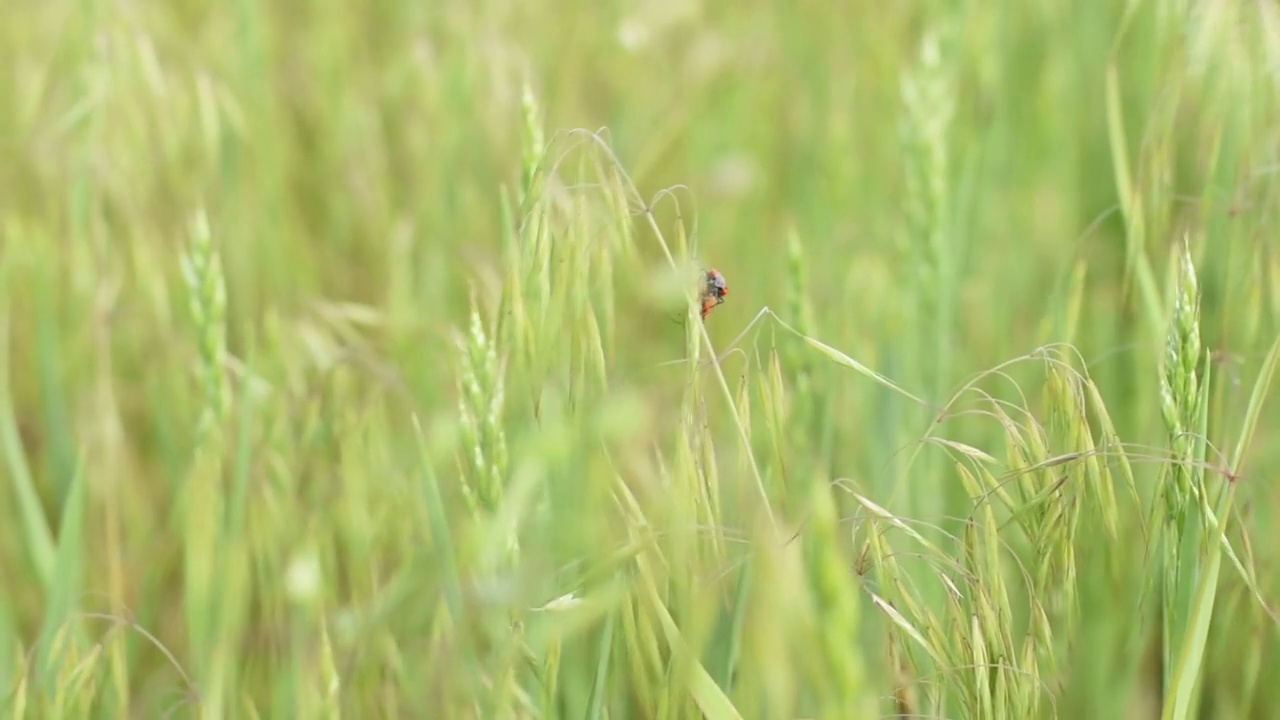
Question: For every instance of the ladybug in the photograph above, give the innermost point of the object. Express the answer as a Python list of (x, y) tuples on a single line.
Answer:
[(714, 293)]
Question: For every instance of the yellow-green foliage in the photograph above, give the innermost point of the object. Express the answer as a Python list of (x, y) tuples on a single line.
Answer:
[(352, 366)]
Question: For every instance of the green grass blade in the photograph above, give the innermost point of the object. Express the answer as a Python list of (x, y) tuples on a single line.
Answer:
[(711, 700), (600, 680), (738, 620), (1136, 261), (1186, 675), (68, 574), (843, 359), (1257, 399), (36, 533), (437, 517)]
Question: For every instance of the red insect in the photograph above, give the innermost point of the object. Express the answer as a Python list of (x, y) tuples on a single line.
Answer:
[(714, 293)]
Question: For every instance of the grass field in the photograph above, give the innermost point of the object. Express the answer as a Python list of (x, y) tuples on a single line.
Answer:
[(351, 362)]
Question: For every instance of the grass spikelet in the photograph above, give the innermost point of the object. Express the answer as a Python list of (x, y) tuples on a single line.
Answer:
[(779, 415), (928, 242), (203, 491), (480, 408), (929, 107), (534, 145), (835, 600), (1182, 396), (207, 305), (799, 307)]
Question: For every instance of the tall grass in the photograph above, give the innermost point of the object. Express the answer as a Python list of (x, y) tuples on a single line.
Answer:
[(351, 361)]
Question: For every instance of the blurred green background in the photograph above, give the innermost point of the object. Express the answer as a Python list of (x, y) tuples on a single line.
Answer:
[(931, 188)]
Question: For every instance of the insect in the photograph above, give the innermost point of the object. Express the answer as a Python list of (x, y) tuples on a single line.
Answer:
[(714, 293)]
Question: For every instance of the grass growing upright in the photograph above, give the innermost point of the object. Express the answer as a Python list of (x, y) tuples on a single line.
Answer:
[(351, 361)]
